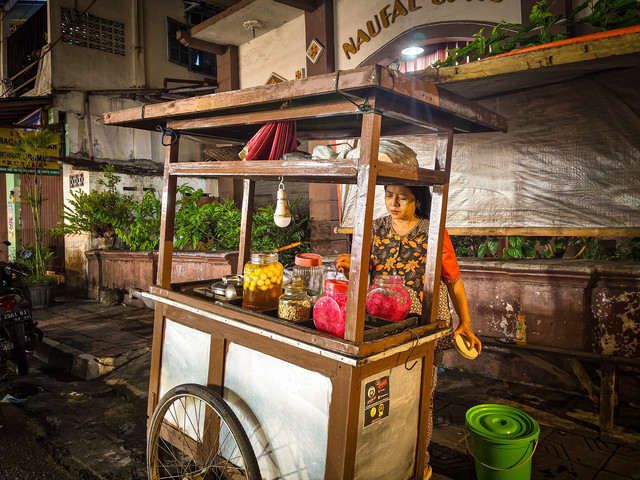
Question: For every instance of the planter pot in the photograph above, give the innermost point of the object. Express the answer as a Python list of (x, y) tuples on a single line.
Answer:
[(105, 243), (41, 295), (124, 270)]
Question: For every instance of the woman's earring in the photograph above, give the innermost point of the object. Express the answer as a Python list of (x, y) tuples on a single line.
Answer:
[(417, 204)]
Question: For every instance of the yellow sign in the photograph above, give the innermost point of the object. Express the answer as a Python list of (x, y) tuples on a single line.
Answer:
[(9, 163)]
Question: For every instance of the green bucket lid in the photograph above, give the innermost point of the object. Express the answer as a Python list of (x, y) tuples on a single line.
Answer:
[(501, 424)]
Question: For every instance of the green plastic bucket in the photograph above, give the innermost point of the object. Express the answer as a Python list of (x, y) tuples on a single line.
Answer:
[(503, 441)]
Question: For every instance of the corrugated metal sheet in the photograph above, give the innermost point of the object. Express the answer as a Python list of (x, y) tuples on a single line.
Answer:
[(50, 212)]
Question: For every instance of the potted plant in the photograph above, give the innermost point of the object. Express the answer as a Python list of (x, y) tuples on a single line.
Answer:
[(98, 212), (30, 151)]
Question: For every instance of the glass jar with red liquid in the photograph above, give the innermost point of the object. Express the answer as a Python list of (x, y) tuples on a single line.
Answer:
[(330, 311), (388, 298)]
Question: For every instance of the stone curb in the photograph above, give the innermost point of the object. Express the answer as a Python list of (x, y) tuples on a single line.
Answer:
[(80, 364)]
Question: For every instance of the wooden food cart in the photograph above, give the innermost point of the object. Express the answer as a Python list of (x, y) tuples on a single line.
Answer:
[(313, 406)]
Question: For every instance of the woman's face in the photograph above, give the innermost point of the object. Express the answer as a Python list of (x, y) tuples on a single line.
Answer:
[(400, 202)]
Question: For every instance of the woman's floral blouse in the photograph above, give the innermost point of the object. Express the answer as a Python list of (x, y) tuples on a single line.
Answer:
[(405, 255)]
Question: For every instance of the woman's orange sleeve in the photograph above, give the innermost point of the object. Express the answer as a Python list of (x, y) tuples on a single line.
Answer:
[(450, 268)]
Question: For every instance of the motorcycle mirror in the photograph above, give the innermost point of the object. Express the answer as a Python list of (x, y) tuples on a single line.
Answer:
[(7, 242), (26, 254)]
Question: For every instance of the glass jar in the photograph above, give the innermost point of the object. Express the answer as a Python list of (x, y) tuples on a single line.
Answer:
[(309, 267), (294, 304), (388, 298), (330, 311), (262, 281)]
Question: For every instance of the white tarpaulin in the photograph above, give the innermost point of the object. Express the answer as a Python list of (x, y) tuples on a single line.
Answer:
[(571, 158)]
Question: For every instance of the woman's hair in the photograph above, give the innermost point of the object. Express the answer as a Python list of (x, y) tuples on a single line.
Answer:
[(423, 197)]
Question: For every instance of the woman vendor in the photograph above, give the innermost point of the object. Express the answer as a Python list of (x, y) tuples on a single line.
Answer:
[(399, 247)]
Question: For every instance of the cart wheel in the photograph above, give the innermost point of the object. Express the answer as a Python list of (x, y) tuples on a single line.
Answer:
[(195, 435)]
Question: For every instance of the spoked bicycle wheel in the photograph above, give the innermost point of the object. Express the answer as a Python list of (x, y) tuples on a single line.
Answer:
[(195, 435)]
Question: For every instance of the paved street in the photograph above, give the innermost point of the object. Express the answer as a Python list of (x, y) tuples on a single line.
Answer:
[(68, 427)]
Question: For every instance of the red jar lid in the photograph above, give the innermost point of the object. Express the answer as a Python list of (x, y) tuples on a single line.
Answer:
[(338, 286), (308, 259)]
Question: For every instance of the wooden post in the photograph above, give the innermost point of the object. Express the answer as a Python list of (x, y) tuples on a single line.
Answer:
[(228, 70), (439, 197), (244, 250), (425, 407), (361, 246), (319, 25), (165, 250), (607, 396)]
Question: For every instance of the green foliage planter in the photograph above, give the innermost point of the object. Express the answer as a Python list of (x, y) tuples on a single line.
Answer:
[(97, 212)]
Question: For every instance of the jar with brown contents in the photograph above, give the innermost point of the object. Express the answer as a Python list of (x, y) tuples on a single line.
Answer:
[(295, 305), (262, 281)]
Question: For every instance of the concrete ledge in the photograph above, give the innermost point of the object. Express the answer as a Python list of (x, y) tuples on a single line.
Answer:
[(80, 364)]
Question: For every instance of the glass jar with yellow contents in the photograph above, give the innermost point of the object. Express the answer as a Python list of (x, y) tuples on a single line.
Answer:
[(262, 281)]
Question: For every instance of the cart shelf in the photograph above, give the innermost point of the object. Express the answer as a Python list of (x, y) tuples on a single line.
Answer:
[(312, 171), (272, 367), (325, 106)]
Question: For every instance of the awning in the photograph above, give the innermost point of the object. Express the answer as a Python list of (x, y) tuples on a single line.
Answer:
[(14, 109)]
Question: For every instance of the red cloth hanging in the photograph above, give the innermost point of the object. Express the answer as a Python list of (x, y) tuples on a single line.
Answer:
[(272, 141)]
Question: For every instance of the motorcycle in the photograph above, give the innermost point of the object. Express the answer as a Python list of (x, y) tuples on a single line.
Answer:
[(19, 334)]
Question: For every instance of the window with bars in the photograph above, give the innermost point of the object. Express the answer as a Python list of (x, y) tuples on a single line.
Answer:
[(92, 32), (194, 60)]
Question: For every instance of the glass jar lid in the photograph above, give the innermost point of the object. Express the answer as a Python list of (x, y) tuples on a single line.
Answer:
[(308, 259), (336, 286), (261, 258)]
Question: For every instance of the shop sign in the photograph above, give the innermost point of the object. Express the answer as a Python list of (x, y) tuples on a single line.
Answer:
[(9, 163), (384, 19)]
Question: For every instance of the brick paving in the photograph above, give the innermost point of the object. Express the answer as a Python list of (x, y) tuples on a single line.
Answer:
[(568, 449), (570, 444)]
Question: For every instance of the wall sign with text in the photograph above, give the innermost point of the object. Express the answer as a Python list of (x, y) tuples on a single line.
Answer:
[(385, 18)]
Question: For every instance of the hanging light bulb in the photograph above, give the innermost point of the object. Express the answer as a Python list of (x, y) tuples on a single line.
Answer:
[(282, 216)]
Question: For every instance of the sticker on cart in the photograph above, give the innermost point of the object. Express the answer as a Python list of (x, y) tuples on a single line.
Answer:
[(376, 401)]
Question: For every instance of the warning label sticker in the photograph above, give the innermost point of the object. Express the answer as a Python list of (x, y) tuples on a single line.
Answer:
[(376, 401)]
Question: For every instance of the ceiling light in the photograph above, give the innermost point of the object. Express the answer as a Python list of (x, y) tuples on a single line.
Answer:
[(412, 51)]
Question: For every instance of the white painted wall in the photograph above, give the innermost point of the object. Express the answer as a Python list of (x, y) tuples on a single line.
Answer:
[(283, 50), (146, 61), (280, 51)]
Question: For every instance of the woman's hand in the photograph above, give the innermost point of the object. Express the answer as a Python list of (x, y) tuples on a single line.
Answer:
[(343, 264), (467, 332)]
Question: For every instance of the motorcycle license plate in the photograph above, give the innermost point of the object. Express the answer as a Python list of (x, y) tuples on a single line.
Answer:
[(22, 314)]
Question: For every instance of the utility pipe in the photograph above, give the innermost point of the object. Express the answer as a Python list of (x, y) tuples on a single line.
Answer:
[(137, 13), (87, 120)]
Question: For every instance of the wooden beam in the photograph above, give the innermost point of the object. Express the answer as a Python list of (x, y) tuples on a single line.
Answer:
[(607, 396), (187, 40), (585, 380), (222, 15), (318, 24), (244, 249), (559, 231), (574, 50), (361, 244), (290, 113), (306, 5), (165, 249), (228, 70), (439, 198)]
